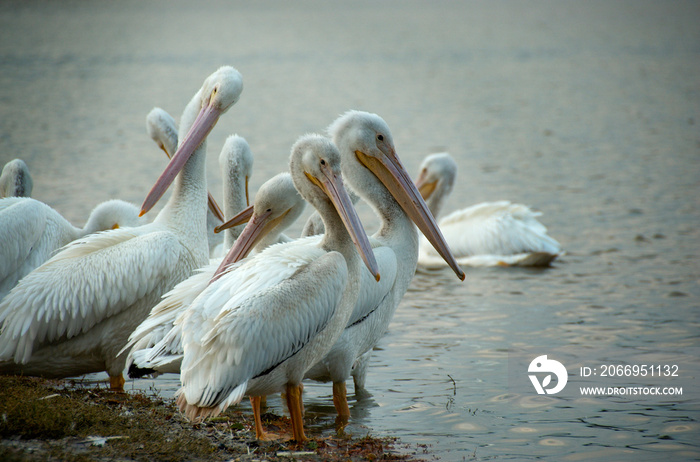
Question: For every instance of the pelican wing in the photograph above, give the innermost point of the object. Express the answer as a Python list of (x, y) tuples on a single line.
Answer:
[(157, 342), (30, 232), (88, 281), (155, 346), (162, 317), (495, 228), (260, 324)]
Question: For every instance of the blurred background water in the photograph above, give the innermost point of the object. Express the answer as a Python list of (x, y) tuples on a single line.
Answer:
[(586, 111)]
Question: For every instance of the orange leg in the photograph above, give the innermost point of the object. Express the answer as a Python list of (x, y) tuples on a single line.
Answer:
[(340, 400), (283, 395), (116, 383), (301, 399), (295, 412), (259, 432)]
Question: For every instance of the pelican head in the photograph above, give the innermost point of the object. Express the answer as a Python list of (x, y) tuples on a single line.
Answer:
[(366, 144), (436, 180), (277, 205), (15, 180), (162, 129), (236, 158), (315, 163), (220, 91), (113, 214), (276, 201)]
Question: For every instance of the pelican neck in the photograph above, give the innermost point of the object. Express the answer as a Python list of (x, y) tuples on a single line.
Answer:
[(186, 210), (336, 237), (234, 201)]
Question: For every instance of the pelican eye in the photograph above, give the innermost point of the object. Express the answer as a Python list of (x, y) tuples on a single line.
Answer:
[(380, 137), (323, 161), (268, 210)]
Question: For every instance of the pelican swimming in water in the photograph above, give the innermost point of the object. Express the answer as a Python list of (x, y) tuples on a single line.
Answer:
[(486, 234), (73, 315), (373, 170), (162, 129), (257, 328), (15, 180), (31, 232)]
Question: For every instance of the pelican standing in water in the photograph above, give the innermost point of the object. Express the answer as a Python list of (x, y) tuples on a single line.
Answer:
[(162, 129), (157, 345), (72, 315), (486, 234), (259, 326), (15, 180), (374, 171)]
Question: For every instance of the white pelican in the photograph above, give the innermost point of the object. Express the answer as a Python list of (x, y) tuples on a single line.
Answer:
[(236, 162), (374, 171), (31, 232), (257, 329), (485, 234), (157, 347), (15, 179), (162, 129), (72, 315)]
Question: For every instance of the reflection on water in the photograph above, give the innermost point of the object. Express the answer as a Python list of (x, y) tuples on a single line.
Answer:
[(586, 111)]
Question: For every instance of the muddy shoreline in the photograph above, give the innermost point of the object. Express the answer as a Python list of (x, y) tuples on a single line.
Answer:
[(59, 420)]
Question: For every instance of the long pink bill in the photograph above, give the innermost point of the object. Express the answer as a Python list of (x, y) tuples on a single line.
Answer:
[(213, 206), (249, 237), (203, 124), (332, 185), (242, 217), (393, 175)]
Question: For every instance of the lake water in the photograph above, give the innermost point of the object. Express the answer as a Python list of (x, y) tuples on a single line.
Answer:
[(586, 111)]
